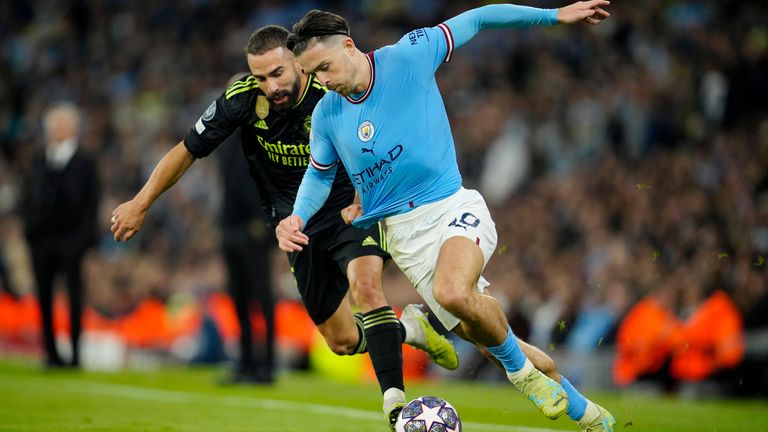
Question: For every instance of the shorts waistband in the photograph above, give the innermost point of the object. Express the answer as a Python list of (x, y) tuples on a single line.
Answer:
[(419, 213)]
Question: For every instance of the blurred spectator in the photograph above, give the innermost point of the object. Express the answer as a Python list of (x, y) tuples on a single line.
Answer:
[(59, 211), (5, 279), (246, 242), (652, 338)]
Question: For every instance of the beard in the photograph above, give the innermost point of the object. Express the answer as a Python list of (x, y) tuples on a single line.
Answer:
[(293, 96)]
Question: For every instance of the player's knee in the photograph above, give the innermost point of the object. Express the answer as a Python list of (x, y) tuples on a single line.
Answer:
[(341, 344), (452, 297), (367, 292)]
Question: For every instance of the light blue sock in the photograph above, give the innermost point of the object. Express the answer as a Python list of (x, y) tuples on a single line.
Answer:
[(509, 353), (577, 403)]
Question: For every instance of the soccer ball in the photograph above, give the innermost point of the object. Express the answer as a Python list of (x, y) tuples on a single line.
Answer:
[(428, 414)]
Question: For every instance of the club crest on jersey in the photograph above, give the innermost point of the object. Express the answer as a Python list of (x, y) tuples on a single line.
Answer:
[(307, 123), (262, 107), (365, 131)]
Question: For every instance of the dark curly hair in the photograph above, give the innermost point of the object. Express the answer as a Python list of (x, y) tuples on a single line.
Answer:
[(266, 39)]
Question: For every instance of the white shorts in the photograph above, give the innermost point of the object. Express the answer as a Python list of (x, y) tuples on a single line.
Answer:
[(414, 240)]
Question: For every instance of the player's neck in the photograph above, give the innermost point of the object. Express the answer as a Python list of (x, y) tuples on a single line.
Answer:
[(363, 72)]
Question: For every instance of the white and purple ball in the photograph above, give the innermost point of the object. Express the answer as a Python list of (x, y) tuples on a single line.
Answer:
[(428, 414)]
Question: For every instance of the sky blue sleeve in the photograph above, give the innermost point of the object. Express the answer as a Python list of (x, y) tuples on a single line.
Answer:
[(424, 50), (314, 190), (461, 28), (318, 179)]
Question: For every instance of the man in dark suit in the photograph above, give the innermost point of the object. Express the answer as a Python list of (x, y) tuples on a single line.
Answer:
[(246, 242), (60, 203)]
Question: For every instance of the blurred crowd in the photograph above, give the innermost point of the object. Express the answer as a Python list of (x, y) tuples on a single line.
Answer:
[(622, 161)]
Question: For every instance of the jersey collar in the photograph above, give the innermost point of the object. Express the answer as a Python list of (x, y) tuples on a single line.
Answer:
[(365, 95), (310, 78)]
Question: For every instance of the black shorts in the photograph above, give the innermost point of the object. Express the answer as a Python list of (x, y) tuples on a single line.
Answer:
[(321, 268)]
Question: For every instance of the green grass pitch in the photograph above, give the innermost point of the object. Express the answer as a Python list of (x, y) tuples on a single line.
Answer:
[(188, 399)]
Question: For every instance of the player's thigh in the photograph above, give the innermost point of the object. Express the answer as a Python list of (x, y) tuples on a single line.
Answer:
[(340, 330), (415, 249), (360, 254), (470, 218), (468, 239), (458, 269), (322, 286)]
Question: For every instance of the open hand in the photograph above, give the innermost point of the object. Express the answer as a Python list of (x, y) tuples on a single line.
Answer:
[(289, 235), (127, 220), (590, 12)]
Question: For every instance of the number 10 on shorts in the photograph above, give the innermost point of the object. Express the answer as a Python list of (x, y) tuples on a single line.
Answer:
[(467, 220)]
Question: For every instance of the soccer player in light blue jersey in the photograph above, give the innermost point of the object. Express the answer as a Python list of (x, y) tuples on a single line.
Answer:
[(386, 122)]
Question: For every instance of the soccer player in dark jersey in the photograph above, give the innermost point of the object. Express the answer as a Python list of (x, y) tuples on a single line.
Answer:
[(273, 107)]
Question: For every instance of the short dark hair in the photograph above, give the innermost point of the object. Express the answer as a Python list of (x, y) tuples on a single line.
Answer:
[(315, 24), (266, 39)]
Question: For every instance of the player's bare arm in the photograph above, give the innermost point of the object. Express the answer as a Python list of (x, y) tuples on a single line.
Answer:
[(591, 12), (289, 235), (128, 217)]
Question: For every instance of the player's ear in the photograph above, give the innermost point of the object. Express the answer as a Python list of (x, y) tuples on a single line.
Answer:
[(349, 45), (299, 68)]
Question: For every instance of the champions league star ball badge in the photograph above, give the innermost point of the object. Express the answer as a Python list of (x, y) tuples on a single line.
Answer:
[(365, 131), (428, 414), (209, 112)]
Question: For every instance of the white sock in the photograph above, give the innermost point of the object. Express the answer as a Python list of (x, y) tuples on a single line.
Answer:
[(514, 377), (590, 413), (410, 333), (393, 394)]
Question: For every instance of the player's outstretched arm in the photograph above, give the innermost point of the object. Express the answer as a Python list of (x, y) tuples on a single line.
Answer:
[(591, 12), (465, 26), (128, 217), (289, 235)]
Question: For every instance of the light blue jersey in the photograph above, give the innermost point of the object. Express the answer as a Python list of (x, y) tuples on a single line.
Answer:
[(395, 140)]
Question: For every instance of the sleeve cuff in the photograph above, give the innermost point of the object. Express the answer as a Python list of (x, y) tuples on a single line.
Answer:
[(448, 41), (551, 15)]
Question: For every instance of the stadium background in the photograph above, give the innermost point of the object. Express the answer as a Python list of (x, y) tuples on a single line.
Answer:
[(623, 162)]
